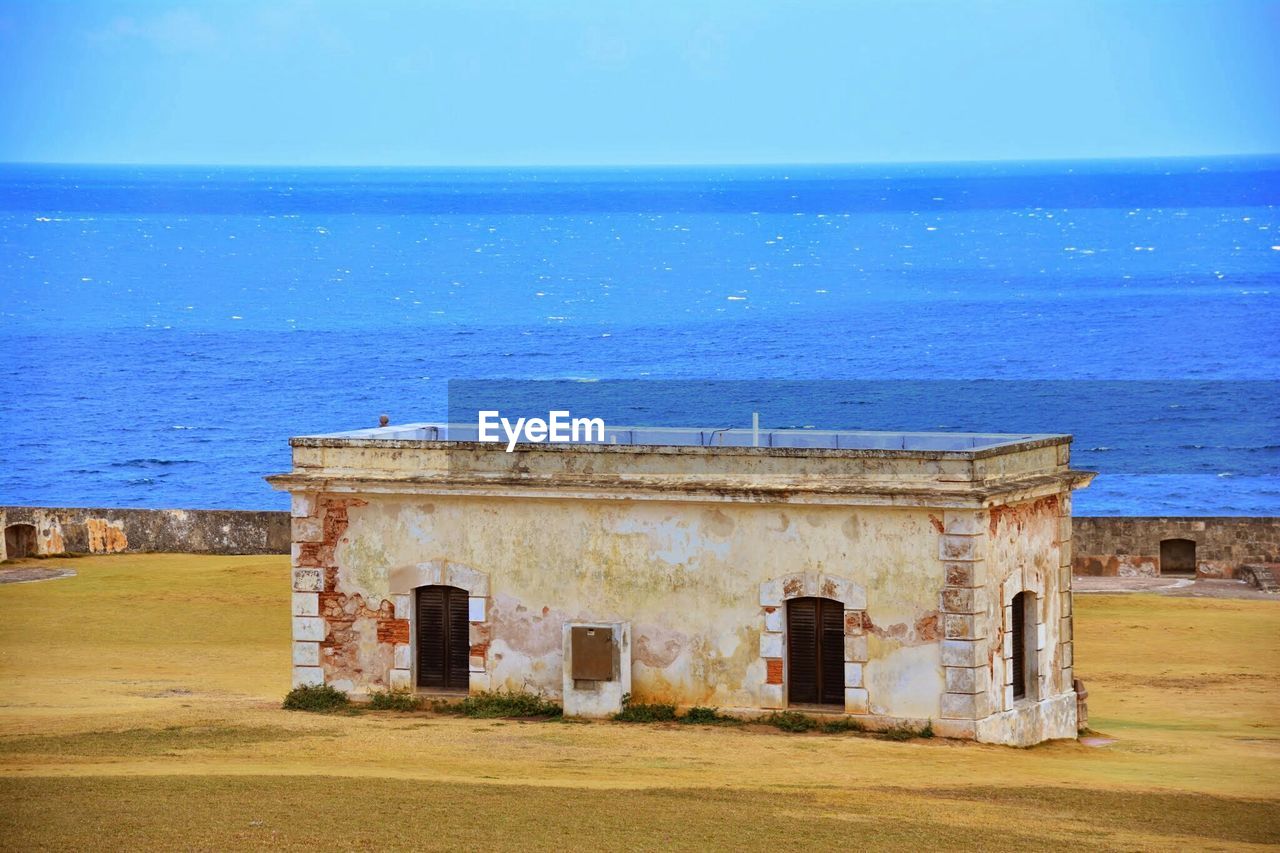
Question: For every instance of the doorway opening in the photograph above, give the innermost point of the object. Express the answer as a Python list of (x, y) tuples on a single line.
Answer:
[(815, 652), (443, 635), (1178, 557)]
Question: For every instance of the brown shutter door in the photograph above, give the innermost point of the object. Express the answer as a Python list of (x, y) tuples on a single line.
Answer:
[(831, 652), (802, 651), (459, 675), (1019, 639), (432, 671)]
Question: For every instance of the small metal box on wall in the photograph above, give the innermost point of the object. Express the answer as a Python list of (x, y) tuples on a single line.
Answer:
[(597, 667), (593, 653)]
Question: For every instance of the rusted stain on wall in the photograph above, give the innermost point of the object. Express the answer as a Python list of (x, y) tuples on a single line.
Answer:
[(106, 537)]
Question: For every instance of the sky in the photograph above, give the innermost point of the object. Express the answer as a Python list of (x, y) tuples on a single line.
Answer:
[(595, 82)]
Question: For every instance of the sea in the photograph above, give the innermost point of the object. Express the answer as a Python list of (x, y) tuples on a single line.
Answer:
[(165, 330)]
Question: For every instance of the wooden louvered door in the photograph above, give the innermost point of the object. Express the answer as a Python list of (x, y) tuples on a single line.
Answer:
[(443, 635), (815, 651)]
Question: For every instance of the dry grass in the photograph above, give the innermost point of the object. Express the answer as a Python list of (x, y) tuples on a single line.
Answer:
[(139, 706)]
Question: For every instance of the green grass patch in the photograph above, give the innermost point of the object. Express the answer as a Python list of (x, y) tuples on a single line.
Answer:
[(394, 700), (143, 741), (842, 725), (320, 698), (790, 721), (503, 703), (701, 716), (642, 712)]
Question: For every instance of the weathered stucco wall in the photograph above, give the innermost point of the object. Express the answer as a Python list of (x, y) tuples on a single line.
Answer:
[(688, 579), (111, 531), (1130, 546), (699, 550)]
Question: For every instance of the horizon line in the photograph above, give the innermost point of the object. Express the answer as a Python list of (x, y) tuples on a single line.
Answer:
[(648, 165)]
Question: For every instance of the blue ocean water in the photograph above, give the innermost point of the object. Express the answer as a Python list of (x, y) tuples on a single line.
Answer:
[(165, 330)]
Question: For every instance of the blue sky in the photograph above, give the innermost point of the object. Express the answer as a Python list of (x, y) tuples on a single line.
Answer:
[(549, 82)]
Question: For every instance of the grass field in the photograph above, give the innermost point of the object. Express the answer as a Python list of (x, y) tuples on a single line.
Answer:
[(139, 706)]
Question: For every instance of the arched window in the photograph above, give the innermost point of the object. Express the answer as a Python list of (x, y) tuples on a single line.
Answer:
[(1023, 628)]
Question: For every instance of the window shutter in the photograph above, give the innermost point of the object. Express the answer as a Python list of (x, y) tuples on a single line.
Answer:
[(831, 646), (444, 638), (802, 650), (1019, 643)]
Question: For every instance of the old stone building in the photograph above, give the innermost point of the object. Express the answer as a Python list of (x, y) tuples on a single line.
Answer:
[(897, 578)]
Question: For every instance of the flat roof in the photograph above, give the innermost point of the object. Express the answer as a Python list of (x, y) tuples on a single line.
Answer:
[(717, 437)]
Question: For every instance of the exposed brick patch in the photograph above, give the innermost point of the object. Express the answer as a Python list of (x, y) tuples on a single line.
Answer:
[(309, 554), (937, 523), (1017, 515), (479, 650), (394, 631), (774, 670)]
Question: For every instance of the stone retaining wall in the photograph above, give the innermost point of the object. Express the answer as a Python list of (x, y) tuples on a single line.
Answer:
[(42, 531), (1130, 546)]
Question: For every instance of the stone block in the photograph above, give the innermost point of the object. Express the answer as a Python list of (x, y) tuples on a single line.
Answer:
[(1008, 696), (1066, 603), (974, 679), (476, 660), (771, 696), (961, 653), (957, 600), (855, 648), (464, 577), (773, 619), (307, 530), (479, 682), (1007, 650), (963, 521), (854, 623), (1067, 656), (959, 547), (855, 700), (1040, 637), (308, 628), (957, 626), (770, 645), (964, 574), (847, 592), (306, 654), (401, 679), (852, 675), (402, 655), (1064, 630), (308, 580), (771, 593), (305, 676), (302, 505), (959, 706), (403, 605), (306, 604), (476, 608)]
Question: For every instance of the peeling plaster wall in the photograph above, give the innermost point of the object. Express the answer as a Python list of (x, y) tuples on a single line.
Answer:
[(685, 576), (1130, 546), (1028, 550), (111, 531)]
